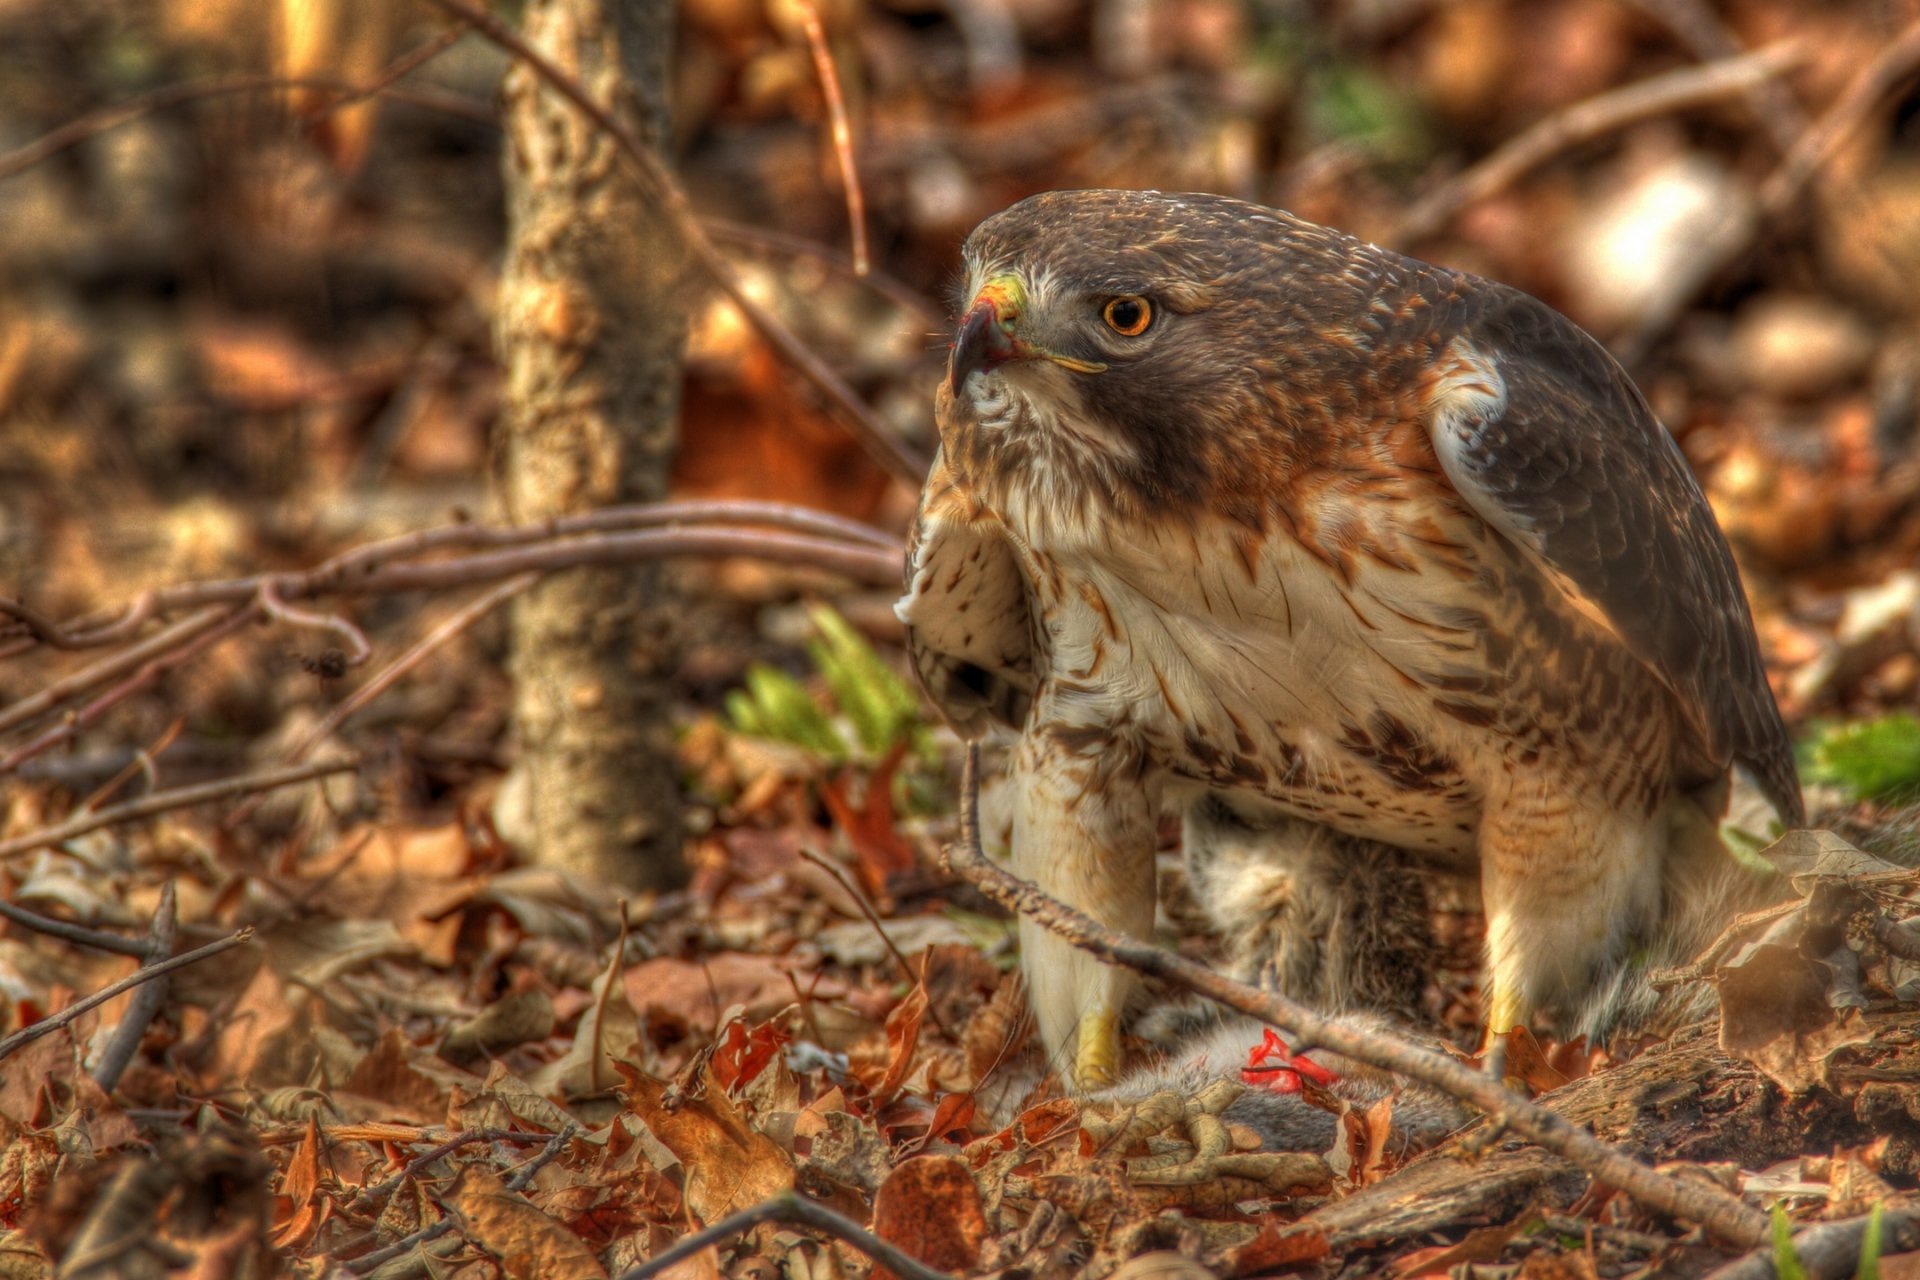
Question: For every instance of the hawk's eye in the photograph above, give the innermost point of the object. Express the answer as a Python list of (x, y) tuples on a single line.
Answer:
[(1128, 317)]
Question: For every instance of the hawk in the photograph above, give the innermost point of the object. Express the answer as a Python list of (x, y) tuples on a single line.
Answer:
[(1318, 546)]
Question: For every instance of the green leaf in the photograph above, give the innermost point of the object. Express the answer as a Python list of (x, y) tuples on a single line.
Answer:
[(775, 705), (1875, 760), (1786, 1261), (881, 708), (1869, 1268)]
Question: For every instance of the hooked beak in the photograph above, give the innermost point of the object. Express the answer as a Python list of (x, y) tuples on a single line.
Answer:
[(987, 337), (986, 340)]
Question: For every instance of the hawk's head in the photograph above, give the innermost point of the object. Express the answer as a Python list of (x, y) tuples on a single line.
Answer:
[(1144, 334)]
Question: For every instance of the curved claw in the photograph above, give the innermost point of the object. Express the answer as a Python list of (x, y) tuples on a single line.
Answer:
[(1096, 1061)]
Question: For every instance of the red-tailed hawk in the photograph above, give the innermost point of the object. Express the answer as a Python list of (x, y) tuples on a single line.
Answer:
[(1238, 516)]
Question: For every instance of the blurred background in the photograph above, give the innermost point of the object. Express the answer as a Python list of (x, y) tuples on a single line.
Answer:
[(254, 264)]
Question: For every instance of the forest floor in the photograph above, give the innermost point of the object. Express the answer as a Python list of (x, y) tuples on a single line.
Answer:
[(247, 332)]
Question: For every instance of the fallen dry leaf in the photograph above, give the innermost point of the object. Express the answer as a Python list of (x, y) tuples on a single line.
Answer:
[(930, 1207), (530, 1244)]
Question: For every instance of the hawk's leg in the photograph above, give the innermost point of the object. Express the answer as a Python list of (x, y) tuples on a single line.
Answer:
[(1569, 881), (1084, 831), (1330, 919)]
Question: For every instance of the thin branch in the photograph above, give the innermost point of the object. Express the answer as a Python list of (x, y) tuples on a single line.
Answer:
[(404, 65), (863, 564), (31, 708), (1710, 40), (789, 1206), (146, 973), (521, 1179), (140, 766), (1700, 1202), (111, 625), (1875, 82), (75, 721), (440, 636), (875, 436), (900, 294), (146, 1002), (841, 130), (532, 549), (873, 918), (165, 801), (1591, 118), (280, 611), (107, 119), (79, 935)]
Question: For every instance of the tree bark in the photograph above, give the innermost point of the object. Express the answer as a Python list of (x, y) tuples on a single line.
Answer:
[(592, 330)]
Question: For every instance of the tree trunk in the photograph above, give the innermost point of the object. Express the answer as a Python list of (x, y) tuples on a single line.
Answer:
[(592, 334)]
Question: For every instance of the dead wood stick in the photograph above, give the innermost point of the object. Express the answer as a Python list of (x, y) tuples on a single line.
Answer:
[(184, 651), (175, 798), (80, 935), (904, 462), (1831, 1250), (459, 624), (146, 973), (1588, 119), (146, 1002), (112, 625), (873, 918), (59, 691), (119, 114), (767, 239), (1709, 39), (789, 1206), (841, 130), (869, 565), (1815, 146), (1721, 1213), (427, 1235)]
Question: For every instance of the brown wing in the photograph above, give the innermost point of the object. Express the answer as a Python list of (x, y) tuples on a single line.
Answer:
[(965, 608), (1559, 451)]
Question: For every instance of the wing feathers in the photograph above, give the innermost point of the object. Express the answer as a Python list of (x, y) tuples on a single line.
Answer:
[(1550, 443)]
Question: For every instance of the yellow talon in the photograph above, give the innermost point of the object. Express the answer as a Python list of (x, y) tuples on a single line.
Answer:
[(1503, 1015), (1096, 1062)]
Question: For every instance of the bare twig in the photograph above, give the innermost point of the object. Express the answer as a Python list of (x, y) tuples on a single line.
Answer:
[(1708, 1205), (1897, 63), (391, 675), (862, 561), (1591, 118), (146, 1002), (875, 436), (141, 765), (80, 935), (1710, 40), (789, 1206), (372, 1197), (766, 238), (146, 973), (842, 131), (59, 691), (280, 611), (107, 119), (521, 1179), (112, 625), (873, 918), (406, 64), (165, 801), (862, 564), (224, 624)]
